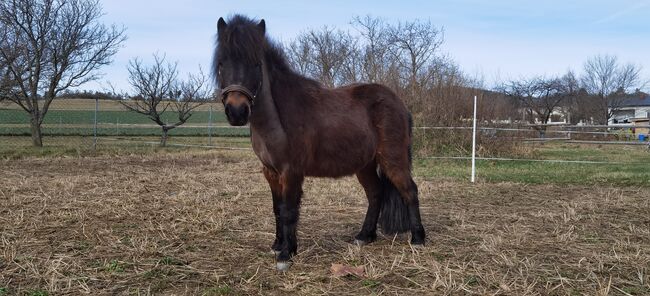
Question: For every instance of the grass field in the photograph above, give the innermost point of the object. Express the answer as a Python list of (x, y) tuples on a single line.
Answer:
[(76, 117), (622, 165), (135, 219), (9, 116), (89, 104), (19, 147)]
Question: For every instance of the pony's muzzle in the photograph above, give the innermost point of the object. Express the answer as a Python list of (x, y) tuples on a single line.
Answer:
[(237, 108)]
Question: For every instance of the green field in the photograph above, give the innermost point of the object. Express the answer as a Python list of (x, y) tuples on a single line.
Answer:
[(20, 147), (115, 123), (13, 116), (623, 166)]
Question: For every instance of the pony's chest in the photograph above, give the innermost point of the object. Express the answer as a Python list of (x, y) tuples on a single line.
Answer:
[(268, 151)]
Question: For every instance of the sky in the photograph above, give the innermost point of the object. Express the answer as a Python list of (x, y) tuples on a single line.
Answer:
[(492, 40)]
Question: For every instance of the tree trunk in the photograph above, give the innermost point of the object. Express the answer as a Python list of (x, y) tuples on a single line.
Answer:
[(163, 138), (605, 110), (37, 136)]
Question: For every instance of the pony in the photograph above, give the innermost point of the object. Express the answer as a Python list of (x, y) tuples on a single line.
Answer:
[(299, 128)]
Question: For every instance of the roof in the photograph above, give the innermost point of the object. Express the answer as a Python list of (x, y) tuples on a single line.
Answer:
[(636, 101)]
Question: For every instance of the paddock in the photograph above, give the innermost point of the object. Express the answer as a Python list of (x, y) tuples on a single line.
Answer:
[(197, 221)]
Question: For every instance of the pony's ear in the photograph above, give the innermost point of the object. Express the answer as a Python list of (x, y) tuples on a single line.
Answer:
[(221, 26), (262, 26)]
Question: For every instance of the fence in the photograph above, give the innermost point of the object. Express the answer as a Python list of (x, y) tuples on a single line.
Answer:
[(86, 123), (76, 125), (569, 132)]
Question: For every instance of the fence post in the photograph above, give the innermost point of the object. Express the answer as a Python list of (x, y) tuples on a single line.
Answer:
[(210, 127), (95, 125), (474, 143)]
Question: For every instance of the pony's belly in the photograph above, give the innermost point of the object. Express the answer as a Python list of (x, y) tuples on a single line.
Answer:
[(342, 158)]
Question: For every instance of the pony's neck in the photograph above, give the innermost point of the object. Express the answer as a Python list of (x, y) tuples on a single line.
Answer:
[(277, 75), (264, 115), (267, 130)]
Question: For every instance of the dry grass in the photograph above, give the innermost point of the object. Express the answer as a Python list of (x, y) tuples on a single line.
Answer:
[(201, 223)]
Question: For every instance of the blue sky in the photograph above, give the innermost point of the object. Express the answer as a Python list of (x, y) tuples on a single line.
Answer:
[(495, 40)]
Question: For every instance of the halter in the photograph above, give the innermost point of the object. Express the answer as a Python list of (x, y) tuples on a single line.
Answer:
[(242, 89)]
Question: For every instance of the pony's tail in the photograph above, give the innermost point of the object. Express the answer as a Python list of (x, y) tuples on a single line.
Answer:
[(394, 216)]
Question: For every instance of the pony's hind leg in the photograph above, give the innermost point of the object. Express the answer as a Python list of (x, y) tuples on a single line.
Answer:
[(372, 186), (402, 180)]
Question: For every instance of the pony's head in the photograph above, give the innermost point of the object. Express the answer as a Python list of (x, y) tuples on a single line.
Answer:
[(237, 65)]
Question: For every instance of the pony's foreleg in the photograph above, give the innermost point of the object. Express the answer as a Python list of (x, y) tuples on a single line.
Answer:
[(276, 191), (289, 211)]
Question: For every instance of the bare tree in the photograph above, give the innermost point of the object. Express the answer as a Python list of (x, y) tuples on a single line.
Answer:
[(404, 56), (351, 71), (158, 89), (376, 48), (325, 55), (608, 81), (5, 81), (8, 53), (298, 53), (579, 103), (415, 45), (538, 97), (50, 46)]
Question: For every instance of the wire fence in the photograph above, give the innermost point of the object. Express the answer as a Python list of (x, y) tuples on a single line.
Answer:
[(86, 123), (92, 123), (629, 133), (504, 152)]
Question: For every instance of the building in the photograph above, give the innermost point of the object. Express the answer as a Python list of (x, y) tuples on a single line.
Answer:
[(559, 116), (631, 108)]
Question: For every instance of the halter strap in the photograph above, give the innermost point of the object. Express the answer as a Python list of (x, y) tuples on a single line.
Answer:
[(242, 89)]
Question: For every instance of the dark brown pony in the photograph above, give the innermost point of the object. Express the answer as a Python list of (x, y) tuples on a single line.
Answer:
[(300, 128)]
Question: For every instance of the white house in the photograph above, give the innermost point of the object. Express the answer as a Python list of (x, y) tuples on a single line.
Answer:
[(634, 107), (560, 115)]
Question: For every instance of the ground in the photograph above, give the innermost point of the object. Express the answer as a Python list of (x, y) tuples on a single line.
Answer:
[(200, 222)]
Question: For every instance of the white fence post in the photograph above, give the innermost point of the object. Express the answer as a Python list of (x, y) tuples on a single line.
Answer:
[(210, 127), (95, 124), (474, 144)]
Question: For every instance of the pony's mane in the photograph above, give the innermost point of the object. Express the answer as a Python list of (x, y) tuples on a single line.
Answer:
[(244, 42)]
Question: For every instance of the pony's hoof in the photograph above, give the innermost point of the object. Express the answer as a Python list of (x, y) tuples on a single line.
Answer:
[(418, 245), (360, 243), (283, 266)]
